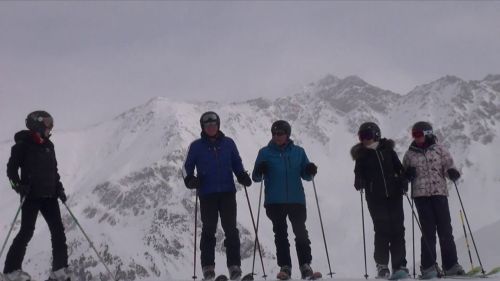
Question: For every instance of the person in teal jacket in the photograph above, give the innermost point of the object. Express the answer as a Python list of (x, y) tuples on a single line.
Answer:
[(282, 165)]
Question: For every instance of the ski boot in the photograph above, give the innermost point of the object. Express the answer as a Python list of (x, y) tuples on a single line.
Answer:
[(234, 272), (382, 272), (429, 273), (62, 274), (455, 270), (307, 272), (208, 272), (400, 273), (17, 275), (285, 273)]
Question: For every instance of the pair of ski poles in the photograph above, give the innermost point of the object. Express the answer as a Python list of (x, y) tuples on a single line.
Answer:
[(23, 199), (256, 227), (414, 218)]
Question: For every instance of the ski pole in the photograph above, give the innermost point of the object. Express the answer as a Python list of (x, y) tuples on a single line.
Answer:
[(90, 242), (413, 231), (466, 241), (322, 229), (195, 232), (258, 216), (12, 225), (468, 226), (363, 225), (426, 242), (256, 235)]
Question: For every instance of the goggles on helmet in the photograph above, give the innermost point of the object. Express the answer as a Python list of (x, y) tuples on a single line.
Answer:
[(420, 133), (209, 117), (366, 135)]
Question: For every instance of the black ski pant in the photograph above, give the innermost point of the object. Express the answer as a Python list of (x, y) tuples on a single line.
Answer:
[(211, 206), (434, 215), (388, 223), (49, 207), (297, 215)]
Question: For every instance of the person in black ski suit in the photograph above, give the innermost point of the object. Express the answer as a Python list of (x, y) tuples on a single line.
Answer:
[(282, 165), (39, 187), (216, 158), (379, 172)]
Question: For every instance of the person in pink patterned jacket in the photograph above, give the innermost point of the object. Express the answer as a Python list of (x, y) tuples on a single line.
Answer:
[(427, 163)]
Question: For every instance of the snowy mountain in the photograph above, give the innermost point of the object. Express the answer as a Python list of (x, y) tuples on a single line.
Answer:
[(124, 184)]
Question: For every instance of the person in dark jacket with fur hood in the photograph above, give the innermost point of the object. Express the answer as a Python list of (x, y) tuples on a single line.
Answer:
[(379, 171), (39, 187)]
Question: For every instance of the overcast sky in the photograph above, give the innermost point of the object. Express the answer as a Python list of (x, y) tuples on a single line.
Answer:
[(88, 61)]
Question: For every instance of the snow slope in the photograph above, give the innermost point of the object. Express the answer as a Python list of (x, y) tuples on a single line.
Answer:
[(123, 175)]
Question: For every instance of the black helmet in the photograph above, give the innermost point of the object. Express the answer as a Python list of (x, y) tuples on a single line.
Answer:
[(421, 129), (369, 130), (38, 121), (281, 125), (209, 117)]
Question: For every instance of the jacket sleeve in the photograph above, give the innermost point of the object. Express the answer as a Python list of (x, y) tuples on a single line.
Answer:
[(398, 167), (406, 161), (236, 161), (255, 176), (190, 162), (447, 160), (15, 162), (303, 164)]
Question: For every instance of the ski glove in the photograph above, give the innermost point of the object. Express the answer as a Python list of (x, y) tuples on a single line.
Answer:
[(192, 182), (311, 169), (410, 173), (261, 168), (453, 174), (244, 179), (22, 189), (359, 183), (60, 193)]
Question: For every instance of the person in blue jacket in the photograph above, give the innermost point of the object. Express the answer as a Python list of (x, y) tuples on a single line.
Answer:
[(282, 165), (216, 158)]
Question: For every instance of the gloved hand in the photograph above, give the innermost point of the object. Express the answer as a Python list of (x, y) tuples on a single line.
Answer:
[(192, 182), (60, 193), (311, 169), (453, 174), (261, 168), (410, 173), (244, 179), (360, 183), (22, 189)]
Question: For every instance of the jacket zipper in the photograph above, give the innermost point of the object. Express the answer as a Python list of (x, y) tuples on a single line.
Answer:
[(218, 167), (383, 175), (286, 174)]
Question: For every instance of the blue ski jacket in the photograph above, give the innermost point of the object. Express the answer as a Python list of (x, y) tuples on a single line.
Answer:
[(215, 163), (285, 168)]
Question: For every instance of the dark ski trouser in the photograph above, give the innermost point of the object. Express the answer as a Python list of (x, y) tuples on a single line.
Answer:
[(388, 223), (434, 215), (211, 206), (49, 207), (297, 215)]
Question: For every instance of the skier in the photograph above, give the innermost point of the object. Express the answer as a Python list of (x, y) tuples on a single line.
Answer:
[(379, 172), (216, 158), (427, 163), (282, 164), (40, 187)]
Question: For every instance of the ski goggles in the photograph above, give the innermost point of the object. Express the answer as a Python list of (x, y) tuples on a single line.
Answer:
[(209, 124), (48, 122), (366, 135), (279, 133), (420, 133), (209, 117)]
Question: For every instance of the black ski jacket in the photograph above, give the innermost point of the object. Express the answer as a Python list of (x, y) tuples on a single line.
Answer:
[(38, 165), (380, 169)]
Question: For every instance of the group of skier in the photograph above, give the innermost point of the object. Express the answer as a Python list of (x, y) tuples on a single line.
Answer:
[(281, 165), (379, 172)]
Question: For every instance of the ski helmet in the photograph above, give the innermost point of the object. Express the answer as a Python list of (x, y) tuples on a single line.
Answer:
[(38, 121), (422, 128), (369, 130), (281, 125), (209, 117)]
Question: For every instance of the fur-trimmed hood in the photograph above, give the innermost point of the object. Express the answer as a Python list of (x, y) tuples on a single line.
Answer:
[(358, 150)]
